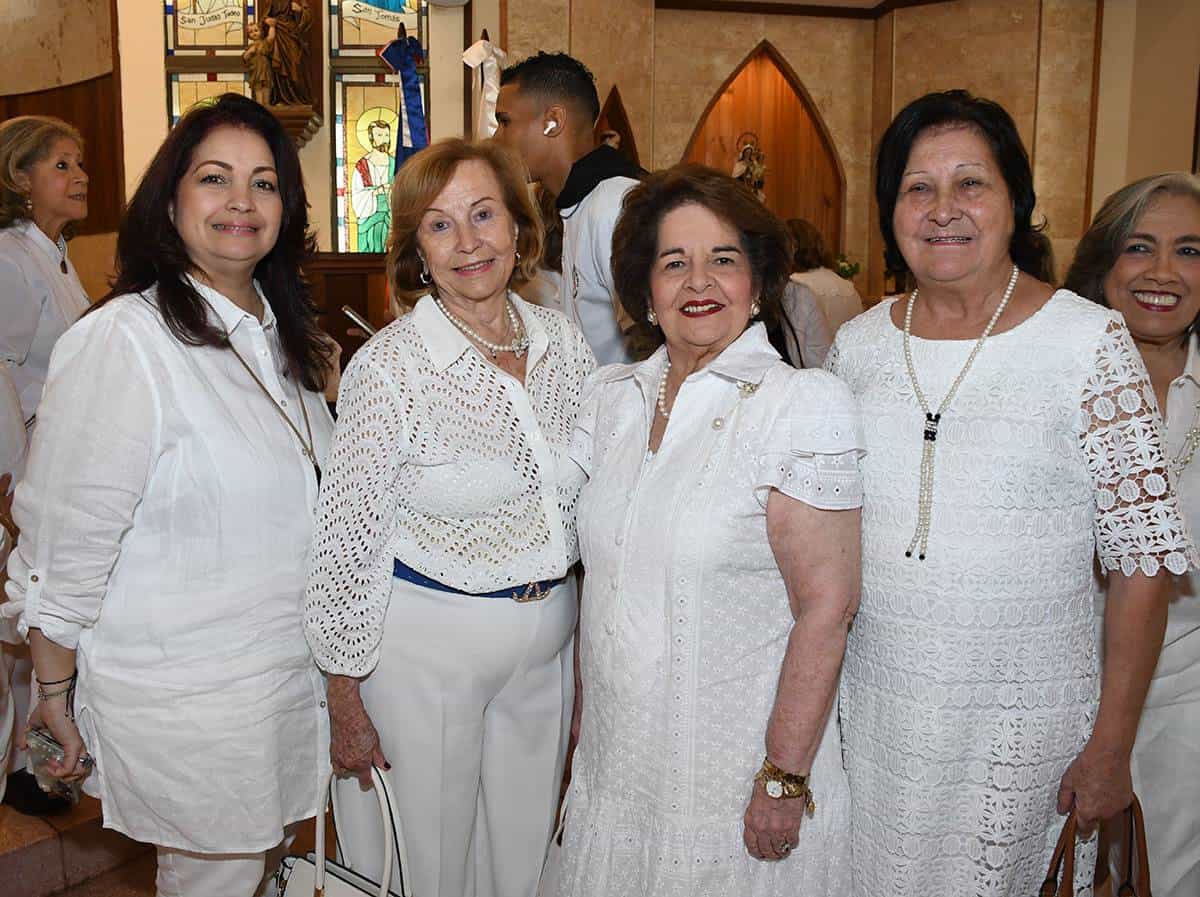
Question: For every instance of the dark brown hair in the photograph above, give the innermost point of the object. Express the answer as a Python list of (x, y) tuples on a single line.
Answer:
[(152, 255), (956, 109), (419, 181), (764, 238), (1104, 241), (810, 250), (150, 252)]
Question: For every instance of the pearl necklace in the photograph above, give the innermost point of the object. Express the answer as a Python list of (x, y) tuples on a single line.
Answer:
[(520, 341), (920, 539), (662, 391), (1191, 442)]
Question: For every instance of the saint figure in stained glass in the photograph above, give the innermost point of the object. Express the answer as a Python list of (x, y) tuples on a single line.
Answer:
[(372, 180)]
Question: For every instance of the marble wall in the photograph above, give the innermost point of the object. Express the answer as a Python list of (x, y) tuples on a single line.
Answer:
[(695, 52), (616, 39), (59, 42)]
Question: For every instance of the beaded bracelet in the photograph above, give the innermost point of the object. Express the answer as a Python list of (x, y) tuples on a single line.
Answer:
[(58, 681), (44, 695)]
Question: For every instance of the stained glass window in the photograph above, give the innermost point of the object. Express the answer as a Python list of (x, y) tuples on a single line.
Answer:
[(361, 27), (189, 88), (207, 27), (379, 81)]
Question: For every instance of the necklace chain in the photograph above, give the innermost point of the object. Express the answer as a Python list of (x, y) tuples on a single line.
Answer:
[(1191, 442), (920, 539), (520, 339), (308, 448)]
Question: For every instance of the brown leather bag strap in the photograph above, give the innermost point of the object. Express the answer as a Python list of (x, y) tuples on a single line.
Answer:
[(1063, 859), (1137, 843)]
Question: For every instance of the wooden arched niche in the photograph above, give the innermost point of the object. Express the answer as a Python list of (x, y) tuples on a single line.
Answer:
[(614, 118), (804, 177)]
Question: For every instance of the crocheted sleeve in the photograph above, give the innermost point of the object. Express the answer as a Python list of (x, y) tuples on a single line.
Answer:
[(350, 572), (813, 448), (1138, 521)]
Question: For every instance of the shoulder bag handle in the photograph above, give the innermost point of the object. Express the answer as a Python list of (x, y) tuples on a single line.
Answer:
[(393, 835)]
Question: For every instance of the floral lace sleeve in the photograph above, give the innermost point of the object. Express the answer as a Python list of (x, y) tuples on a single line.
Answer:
[(1138, 521)]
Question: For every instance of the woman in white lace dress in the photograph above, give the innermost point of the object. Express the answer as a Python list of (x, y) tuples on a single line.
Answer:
[(1141, 257), (438, 600), (719, 532), (1012, 438)]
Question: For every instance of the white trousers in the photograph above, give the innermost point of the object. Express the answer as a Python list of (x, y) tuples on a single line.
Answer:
[(472, 700), (182, 873), (8, 719)]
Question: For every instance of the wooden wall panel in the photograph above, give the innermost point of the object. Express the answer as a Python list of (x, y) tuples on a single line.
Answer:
[(355, 279), (804, 178), (94, 108)]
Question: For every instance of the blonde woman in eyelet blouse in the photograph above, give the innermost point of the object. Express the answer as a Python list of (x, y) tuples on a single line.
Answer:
[(448, 480)]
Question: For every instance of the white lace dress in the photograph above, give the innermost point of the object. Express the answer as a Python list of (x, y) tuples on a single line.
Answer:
[(972, 678), (685, 620)]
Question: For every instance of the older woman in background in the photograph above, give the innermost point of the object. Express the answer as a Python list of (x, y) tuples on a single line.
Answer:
[(720, 536), (166, 513), (1141, 257), (813, 267), (1011, 438), (439, 601), (43, 191)]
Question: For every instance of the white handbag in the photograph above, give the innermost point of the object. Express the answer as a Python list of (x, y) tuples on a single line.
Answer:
[(315, 876)]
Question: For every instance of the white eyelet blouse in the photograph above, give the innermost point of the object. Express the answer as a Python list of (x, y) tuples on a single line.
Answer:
[(446, 462)]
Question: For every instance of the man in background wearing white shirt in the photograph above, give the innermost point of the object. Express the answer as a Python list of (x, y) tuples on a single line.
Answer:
[(547, 112)]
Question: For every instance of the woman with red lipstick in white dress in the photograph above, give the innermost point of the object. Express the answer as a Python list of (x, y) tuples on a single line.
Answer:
[(1141, 257), (167, 507), (1012, 442), (719, 531), (440, 600)]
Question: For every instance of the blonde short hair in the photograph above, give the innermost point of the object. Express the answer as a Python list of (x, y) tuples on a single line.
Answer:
[(25, 141), (419, 181)]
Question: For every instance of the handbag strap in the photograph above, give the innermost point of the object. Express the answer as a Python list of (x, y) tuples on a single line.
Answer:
[(382, 793), (1136, 825), (1063, 858)]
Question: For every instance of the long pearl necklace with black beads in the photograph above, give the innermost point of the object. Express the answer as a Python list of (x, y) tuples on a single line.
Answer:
[(920, 539)]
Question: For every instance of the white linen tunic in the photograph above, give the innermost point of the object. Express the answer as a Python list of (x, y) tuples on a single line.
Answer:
[(685, 621), (38, 302), (166, 516), (971, 678), (1166, 756)]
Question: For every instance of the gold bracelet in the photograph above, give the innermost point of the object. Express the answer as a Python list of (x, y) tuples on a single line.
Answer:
[(780, 785)]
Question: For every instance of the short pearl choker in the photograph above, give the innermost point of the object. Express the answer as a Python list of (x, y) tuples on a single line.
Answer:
[(920, 539), (520, 341), (662, 391)]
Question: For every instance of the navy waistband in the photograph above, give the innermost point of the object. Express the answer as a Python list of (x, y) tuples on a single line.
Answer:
[(533, 591)]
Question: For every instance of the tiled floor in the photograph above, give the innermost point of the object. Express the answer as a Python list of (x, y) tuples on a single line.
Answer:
[(41, 856)]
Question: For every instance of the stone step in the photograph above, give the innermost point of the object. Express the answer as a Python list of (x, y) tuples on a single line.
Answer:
[(39, 857)]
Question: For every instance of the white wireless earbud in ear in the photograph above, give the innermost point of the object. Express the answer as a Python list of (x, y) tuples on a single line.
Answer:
[(549, 127)]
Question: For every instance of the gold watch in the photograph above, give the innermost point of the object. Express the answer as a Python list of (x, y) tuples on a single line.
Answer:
[(780, 785)]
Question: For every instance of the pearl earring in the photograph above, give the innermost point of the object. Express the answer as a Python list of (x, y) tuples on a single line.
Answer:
[(652, 318), (754, 310), (425, 278)]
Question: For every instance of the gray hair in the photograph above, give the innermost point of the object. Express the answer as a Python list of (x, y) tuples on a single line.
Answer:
[(1105, 239)]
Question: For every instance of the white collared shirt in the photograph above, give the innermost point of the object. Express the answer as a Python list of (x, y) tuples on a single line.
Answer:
[(38, 302), (1180, 658), (446, 462), (166, 516)]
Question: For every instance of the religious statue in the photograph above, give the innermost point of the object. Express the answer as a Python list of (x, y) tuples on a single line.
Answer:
[(258, 61), (370, 189), (750, 167), (288, 23)]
